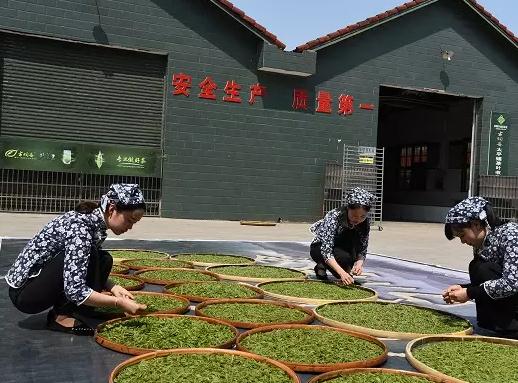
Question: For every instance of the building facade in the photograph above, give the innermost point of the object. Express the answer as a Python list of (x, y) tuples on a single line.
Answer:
[(200, 104)]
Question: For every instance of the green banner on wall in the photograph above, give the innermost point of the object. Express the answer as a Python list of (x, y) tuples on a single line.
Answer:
[(498, 145), (48, 155)]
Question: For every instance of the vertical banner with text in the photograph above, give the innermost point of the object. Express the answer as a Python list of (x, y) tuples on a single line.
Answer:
[(498, 145)]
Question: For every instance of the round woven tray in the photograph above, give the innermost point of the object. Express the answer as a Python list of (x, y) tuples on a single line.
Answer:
[(420, 366), (141, 274), (116, 260), (139, 283), (312, 368), (128, 263), (137, 359), (307, 319), (139, 351), (179, 310), (352, 371), (119, 269), (382, 333), (208, 264), (314, 301), (227, 277), (198, 298)]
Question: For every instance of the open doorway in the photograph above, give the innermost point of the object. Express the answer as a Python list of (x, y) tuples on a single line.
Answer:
[(427, 138)]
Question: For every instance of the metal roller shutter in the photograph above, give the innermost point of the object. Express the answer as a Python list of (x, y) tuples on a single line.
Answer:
[(77, 92)]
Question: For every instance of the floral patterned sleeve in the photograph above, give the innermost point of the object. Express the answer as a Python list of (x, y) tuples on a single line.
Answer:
[(364, 240), (326, 234), (78, 242), (508, 284)]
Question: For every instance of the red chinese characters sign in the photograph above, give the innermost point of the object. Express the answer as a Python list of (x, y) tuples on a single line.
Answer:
[(182, 84)]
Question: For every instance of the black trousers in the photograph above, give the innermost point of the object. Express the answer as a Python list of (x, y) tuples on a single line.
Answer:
[(47, 289), (344, 251), (495, 314)]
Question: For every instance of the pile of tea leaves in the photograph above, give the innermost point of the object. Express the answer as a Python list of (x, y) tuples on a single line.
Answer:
[(474, 361), (136, 254), (202, 368), (123, 281), (253, 312), (119, 269), (176, 275), (159, 333), (154, 303), (216, 289), (394, 317), (317, 290), (310, 346), (157, 262), (377, 377), (257, 271), (213, 258)]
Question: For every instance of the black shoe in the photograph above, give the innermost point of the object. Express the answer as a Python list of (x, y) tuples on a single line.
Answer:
[(320, 272), (79, 327)]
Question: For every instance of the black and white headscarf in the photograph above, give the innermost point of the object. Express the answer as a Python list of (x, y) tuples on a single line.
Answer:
[(467, 210), (125, 194), (359, 196)]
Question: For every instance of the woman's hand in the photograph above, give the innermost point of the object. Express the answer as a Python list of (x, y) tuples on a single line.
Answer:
[(455, 294), (357, 267), (346, 278), (121, 292), (129, 306)]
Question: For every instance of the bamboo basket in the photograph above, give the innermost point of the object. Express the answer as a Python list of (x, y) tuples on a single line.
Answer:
[(227, 277), (314, 301), (157, 354), (139, 283), (128, 263), (116, 260), (385, 371), (203, 265), (306, 320), (119, 347), (313, 368), (179, 310), (383, 333), (430, 339), (198, 298), (141, 274)]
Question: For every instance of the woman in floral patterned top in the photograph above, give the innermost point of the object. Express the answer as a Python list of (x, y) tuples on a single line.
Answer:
[(342, 237), (494, 269), (63, 266)]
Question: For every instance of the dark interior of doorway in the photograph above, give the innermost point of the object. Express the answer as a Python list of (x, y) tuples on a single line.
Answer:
[(427, 138)]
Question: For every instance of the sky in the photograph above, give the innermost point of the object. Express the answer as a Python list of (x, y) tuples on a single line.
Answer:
[(296, 22)]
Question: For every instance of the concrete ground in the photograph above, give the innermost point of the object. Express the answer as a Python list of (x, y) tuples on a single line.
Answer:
[(421, 242)]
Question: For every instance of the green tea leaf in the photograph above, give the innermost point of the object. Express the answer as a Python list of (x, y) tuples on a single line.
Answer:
[(311, 346), (253, 313), (257, 271), (158, 333), (176, 275), (136, 254), (317, 290), (217, 289), (202, 368), (377, 377), (124, 282), (474, 361), (394, 317), (152, 262), (213, 258)]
